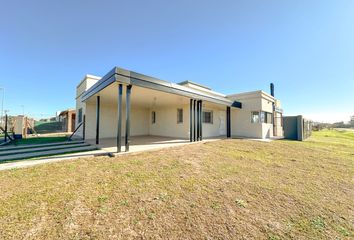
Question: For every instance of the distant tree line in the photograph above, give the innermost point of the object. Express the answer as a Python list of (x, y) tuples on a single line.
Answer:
[(319, 126)]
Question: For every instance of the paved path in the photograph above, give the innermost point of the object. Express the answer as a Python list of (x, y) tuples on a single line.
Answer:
[(33, 162), (150, 146)]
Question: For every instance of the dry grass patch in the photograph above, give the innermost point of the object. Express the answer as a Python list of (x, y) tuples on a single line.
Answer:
[(229, 189)]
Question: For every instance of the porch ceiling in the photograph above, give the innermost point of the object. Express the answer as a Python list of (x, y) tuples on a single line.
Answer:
[(140, 97), (149, 83)]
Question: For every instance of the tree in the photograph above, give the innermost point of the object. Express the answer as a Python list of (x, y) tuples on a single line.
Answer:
[(351, 122)]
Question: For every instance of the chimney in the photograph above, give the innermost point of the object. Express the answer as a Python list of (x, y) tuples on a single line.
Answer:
[(272, 89)]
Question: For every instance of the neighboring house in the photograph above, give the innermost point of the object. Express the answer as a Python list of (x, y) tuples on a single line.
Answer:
[(68, 119), (22, 126), (126, 103)]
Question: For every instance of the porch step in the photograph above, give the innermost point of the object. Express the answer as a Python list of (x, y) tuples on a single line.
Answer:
[(32, 146), (48, 152), (41, 149)]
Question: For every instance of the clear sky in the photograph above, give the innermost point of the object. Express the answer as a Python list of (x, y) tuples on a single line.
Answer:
[(305, 47)]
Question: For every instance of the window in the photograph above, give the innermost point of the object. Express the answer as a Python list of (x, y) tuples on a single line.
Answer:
[(208, 117), (254, 117), (269, 118), (263, 117), (80, 115), (179, 115), (153, 117)]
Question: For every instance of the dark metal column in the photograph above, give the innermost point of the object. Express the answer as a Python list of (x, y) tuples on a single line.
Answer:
[(83, 127), (98, 120), (5, 127), (119, 112), (201, 120), (190, 120), (228, 122), (198, 120), (127, 118), (194, 122)]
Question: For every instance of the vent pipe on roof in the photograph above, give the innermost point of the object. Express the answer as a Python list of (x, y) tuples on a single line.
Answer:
[(272, 89)]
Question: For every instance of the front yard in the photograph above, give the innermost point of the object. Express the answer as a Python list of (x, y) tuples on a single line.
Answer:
[(230, 189)]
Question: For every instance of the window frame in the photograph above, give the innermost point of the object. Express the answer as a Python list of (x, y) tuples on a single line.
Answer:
[(258, 116), (268, 118), (211, 116)]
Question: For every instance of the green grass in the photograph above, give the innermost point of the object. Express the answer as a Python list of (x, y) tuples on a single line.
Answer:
[(217, 190), (40, 140), (48, 127)]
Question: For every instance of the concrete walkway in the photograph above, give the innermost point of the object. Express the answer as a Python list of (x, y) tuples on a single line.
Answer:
[(140, 143), (108, 148), (33, 162)]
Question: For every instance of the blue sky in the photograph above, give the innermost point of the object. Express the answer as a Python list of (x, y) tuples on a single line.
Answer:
[(305, 47)]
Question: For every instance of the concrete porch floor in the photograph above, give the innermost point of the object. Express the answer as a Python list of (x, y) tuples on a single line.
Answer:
[(142, 143)]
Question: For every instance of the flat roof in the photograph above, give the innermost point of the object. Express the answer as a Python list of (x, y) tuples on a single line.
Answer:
[(88, 76), (245, 94), (194, 83), (132, 78)]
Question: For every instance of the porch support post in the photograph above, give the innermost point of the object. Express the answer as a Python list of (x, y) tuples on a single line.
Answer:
[(119, 112), (228, 122), (198, 120), (5, 127), (201, 120), (127, 118), (194, 120), (190, 120), (83, 127), (98, 120)]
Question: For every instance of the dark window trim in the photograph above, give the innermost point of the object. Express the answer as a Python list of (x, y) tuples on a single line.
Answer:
[(211, 116), (252, 113), (153, 117)]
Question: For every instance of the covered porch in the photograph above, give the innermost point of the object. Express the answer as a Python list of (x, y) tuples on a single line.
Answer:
[(132, 112)]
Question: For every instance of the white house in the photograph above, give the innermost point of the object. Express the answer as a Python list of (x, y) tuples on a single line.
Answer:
[(124, 103)]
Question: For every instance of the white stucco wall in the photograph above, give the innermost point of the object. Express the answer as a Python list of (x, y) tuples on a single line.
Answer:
[(141, 122), (241, 125), (218, 127), (108, 121), (87, 82), (166, 122)]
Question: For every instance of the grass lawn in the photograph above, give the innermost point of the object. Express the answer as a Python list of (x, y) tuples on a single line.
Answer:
[(229, 189), (39, 140), (48, 127)]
